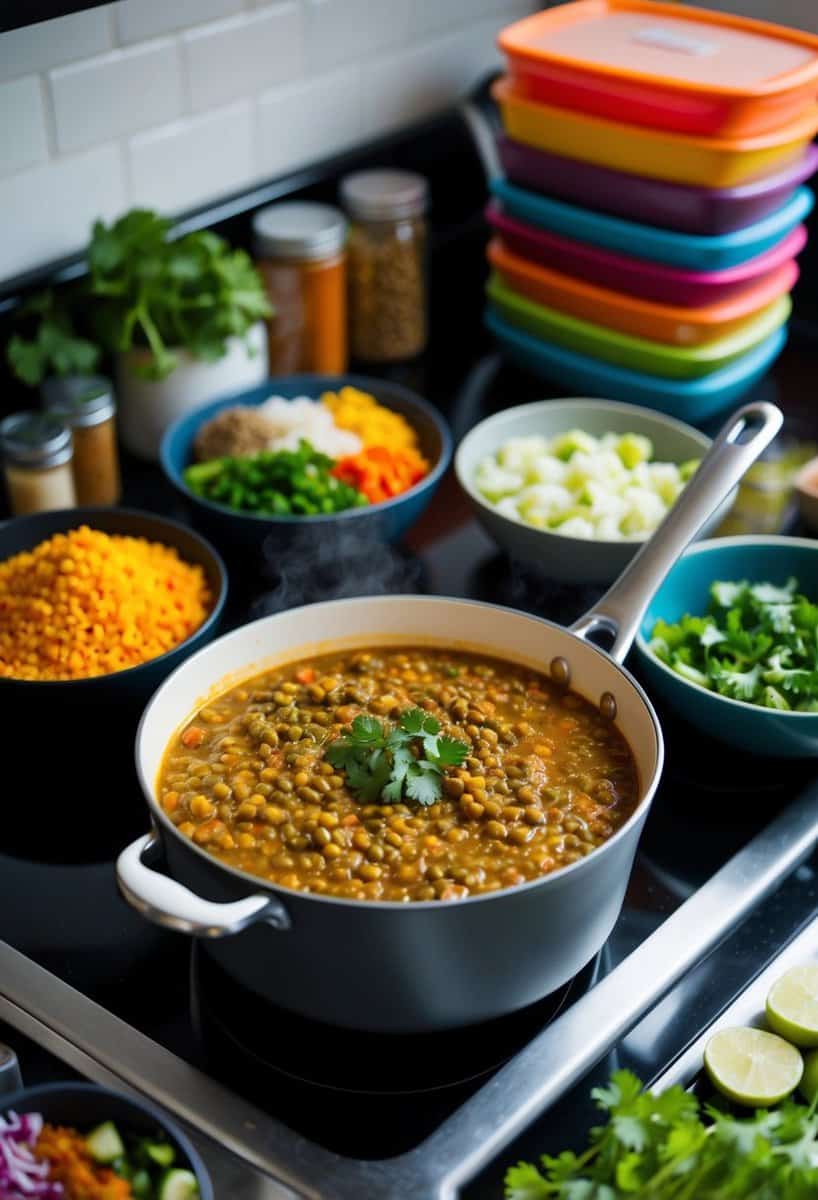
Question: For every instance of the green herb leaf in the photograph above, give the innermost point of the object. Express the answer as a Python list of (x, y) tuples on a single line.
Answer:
[(451, 752)]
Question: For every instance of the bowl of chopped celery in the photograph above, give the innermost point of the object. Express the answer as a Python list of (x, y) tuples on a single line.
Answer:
[(730, 643), (574, 487), (299, 457)]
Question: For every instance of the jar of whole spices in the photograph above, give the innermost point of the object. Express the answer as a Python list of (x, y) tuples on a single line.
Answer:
[(37, 460), (86, 405), (387, 263), (300, 253)]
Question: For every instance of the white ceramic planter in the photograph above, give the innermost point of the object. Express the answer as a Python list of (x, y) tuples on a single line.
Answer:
[(145, 407)]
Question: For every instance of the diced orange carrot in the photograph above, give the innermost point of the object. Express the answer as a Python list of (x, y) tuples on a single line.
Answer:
[(193, 737), (305, 675)]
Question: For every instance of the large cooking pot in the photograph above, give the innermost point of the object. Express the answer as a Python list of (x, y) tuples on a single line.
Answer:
[(391, 967)]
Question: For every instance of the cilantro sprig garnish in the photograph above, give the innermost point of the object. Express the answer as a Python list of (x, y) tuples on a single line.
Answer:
[(388, 765), (669, 1147)]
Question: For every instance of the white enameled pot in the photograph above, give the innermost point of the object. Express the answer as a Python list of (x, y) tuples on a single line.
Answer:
[(391, 967)]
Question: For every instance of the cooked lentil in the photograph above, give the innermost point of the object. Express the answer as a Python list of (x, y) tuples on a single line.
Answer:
[(87, 603), (548, 779)]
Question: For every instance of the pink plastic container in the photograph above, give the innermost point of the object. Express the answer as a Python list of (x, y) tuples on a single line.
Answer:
[(640, 277)]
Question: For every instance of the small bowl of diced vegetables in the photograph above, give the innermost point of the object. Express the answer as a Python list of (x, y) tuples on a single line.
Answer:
[(307, 452), (77, 1141), (574, 487), (730, 643)]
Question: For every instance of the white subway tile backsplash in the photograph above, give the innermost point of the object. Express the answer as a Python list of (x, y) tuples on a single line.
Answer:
[(140, 19), (431, 16), (178, 166), (243, 55), (51, 43), (309, 121), (23, 139), (50, 208), (117, 93), (342, 30)]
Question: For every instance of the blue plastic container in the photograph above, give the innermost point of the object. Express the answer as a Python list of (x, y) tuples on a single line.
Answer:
[(686, 590), (694, 252), (386, 521), (691, 400)]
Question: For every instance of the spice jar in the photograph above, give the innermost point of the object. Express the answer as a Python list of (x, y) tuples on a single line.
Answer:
[(387, 263), (86, 405), (37, 458), (300, 252)]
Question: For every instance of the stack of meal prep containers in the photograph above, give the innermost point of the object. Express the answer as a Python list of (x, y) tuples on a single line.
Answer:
[(652, 207)]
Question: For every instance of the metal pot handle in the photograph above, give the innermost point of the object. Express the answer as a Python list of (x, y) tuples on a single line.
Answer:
[(172, 905), (621, 609)]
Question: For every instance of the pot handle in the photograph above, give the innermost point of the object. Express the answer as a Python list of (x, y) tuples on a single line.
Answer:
[(173, 906), (738, 444)]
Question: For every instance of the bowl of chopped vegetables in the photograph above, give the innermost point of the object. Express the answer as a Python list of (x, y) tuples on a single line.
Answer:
[(305, 452), (77, 1141), (575, 487), (730, 642)]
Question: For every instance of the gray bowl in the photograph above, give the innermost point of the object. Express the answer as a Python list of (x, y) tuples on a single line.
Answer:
[(560, 557)]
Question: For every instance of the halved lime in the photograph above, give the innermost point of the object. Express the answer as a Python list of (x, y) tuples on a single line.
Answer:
[(808, 1087), (752, 1067), (792, 1006)]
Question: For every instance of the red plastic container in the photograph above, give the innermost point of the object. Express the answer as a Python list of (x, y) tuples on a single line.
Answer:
[(667, 66), (639, 276)]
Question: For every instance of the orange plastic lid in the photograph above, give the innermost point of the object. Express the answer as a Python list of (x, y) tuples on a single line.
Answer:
[(682, 47)]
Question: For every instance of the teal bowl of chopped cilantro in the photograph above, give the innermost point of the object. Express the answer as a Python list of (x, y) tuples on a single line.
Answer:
[(730, 643), (351, 521)]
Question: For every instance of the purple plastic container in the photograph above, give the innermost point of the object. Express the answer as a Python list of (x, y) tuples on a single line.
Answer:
[(639, 276), (653, 201)]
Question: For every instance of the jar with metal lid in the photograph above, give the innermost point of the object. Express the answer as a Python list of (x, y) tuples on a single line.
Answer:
[(86, 405), (37, 457), (387, 263), (300, 251)]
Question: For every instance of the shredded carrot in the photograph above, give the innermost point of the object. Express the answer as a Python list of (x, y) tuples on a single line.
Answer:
[(88, 603), (72, 1166), (381, 473)]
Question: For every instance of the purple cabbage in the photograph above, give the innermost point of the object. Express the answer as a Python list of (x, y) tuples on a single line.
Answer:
[(21, 1174)]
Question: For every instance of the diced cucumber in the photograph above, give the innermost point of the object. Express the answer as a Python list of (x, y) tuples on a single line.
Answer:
[(141, 1185), (104, 1143), (162, 1153), (178, 1185), (122, 1167)]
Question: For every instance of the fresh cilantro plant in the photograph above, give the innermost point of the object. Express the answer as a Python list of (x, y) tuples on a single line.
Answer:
[(758, 643), (47, 342), (388, 765), (671, 1147)]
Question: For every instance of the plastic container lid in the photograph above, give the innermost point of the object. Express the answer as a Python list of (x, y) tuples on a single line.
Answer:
[(35, 439), (384, 195), (298, 230), (79, 401)]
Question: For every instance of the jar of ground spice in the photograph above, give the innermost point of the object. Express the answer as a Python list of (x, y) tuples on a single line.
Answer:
[(387, 263), (36, 450), (300, 252), (86, 405)]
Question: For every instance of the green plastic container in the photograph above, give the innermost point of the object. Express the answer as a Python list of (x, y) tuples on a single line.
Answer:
[(638, 354)]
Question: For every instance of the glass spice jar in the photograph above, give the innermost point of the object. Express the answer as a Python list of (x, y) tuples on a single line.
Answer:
[(387, 263), (86, 405), (300, 253), (37, 457)]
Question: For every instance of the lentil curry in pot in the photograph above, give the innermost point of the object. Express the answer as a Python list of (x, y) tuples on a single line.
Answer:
[(494, 775)]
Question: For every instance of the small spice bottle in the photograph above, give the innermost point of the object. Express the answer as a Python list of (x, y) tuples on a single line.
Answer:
[(300, 252), (37, 460), (86, 406), (387, 263)]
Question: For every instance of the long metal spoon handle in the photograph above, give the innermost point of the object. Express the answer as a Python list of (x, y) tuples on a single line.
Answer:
[(748, 432)]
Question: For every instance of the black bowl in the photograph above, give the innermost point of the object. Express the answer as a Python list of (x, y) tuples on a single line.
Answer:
[(83, 1106)]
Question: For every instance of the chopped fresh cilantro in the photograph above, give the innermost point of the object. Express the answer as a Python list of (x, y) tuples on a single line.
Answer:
[(405, 762)]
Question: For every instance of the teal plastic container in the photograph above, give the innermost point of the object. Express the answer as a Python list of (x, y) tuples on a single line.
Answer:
[(759, 731)]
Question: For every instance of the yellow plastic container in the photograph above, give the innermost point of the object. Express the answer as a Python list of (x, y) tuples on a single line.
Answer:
[(637, 150)]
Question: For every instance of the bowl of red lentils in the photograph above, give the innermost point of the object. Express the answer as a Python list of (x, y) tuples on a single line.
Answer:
[(103, 602)]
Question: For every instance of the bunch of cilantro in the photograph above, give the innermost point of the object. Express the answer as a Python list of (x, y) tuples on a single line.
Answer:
[(758, 643), (669, 1147), (387, 765)]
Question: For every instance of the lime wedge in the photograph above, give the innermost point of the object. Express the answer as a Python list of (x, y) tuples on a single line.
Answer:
[(792, 1006), (808, 1087), (752, 1067)]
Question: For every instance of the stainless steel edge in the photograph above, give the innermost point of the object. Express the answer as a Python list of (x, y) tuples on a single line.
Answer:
[(102, 1046)]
